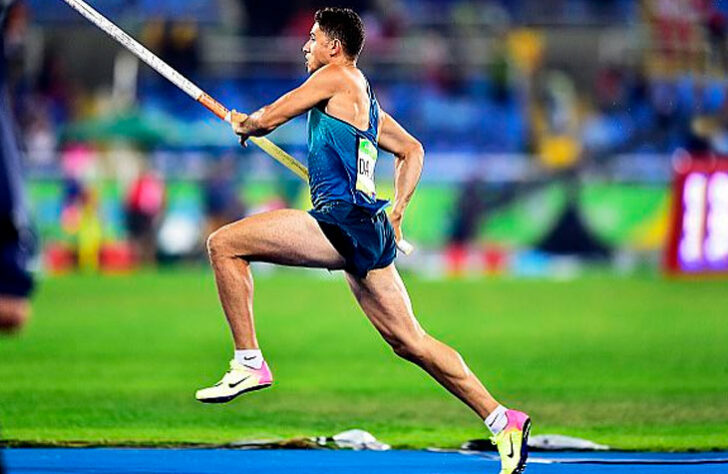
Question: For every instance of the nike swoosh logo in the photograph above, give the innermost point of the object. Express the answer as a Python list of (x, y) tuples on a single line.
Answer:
[(511, 454), (249, 358), (233, 385)]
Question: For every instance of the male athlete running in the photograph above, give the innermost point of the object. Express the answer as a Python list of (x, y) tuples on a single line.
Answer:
[(346, 230)]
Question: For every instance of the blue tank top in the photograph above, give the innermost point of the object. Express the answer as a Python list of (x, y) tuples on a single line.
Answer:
[(341, 159)]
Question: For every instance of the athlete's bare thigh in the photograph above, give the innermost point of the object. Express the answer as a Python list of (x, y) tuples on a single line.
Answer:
[(384, 299), (285, 237)]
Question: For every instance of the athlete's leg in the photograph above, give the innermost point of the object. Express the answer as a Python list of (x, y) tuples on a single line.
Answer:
[(384, 299), (286, 237)]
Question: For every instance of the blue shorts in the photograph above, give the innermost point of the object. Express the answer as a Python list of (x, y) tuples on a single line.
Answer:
[(365, 240)]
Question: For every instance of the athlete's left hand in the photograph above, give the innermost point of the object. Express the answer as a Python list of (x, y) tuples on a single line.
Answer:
[(396, 221), (404, 246)]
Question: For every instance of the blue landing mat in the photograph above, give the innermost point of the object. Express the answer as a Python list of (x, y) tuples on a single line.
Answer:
[(189, 461)]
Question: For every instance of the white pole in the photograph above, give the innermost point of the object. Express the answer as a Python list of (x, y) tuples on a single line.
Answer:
[(182, 82)]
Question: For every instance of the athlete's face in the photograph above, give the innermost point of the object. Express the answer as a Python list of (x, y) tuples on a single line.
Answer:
[(317, 50)]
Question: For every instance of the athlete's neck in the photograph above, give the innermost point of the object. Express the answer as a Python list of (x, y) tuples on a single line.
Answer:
[(343, 61)]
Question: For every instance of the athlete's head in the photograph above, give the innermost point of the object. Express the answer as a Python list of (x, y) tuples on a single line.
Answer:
[(337, 34)]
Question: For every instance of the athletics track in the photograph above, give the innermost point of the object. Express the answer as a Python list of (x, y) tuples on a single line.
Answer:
[(189, 461)]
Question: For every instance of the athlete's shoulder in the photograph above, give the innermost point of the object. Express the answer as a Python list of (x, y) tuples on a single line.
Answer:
[(328, 79), (336, 69), (336, 75)]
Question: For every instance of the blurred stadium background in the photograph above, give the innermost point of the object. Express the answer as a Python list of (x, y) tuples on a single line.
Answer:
[(550, 127), (552, 132)]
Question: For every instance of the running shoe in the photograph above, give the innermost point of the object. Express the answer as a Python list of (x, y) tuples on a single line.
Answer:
[(236, 381), (512, 442)]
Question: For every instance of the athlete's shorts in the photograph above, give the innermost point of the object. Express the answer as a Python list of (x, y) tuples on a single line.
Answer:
[(365, 240), (16, 251)]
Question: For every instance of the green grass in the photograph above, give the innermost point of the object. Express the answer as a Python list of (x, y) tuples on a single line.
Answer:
[(637, 363)]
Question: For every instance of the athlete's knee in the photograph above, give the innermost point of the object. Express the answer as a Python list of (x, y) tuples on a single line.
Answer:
[(214, 244), (218, 244)]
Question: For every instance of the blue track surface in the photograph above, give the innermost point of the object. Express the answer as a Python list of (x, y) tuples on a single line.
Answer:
[(120, 460)]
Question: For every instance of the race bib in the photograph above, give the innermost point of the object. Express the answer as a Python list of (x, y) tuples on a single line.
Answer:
[(365, 161)]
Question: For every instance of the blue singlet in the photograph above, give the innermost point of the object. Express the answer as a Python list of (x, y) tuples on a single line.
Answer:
[(341, 159)]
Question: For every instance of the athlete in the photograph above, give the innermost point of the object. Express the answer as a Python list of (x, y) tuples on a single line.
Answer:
[(346, 230), (16, 240)]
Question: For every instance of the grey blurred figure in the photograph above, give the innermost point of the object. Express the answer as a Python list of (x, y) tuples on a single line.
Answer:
[(16, 238)]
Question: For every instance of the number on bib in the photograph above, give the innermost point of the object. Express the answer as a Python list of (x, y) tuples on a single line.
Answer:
[(365, 161)]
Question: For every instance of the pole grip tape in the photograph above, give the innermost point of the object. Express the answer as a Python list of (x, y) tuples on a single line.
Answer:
[(214, 106)]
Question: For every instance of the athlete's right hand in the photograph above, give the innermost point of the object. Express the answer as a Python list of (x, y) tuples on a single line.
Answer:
[(237, 119), (236, 122)]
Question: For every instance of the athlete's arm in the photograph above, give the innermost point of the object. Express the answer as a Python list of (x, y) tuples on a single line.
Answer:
[(409, 157), (320, 86)]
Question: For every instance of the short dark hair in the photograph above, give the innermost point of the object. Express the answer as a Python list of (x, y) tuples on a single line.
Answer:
[(344, 25)]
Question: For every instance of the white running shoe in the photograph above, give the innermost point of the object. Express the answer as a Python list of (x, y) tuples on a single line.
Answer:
[(236, 381)]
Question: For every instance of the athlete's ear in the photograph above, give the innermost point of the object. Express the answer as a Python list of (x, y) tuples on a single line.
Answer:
[(334, 47)]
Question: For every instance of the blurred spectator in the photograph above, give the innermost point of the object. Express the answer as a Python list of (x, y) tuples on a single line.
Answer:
[(54, 90), (177, 42), (90, 233), (180, 47), (716, 24), (71, 204), (80, 211), (556, 123), (222, 202), (468, 212), (143, 207), (435, 53), (467, 215), (16, 242), (40, 141), (526, 49), (675, 31), (77, 164)]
